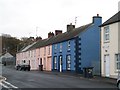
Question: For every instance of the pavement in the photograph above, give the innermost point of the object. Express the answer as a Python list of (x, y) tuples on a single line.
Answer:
[(95, 78)]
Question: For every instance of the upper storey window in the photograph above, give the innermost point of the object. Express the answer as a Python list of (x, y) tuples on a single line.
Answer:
[(106, 34)]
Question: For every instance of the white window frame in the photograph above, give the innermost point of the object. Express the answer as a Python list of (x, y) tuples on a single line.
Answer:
[(48, 50), (35, 53), (106, 34), (117, 62), (44, 51), (55, 47), (39, 52), (60, 47), (68, 45), (68, 62)]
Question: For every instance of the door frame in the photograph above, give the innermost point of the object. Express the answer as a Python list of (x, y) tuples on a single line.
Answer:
[(60, 64), (107, 65)]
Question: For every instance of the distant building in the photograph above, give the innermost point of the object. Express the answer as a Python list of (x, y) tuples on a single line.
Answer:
[(7, 59)]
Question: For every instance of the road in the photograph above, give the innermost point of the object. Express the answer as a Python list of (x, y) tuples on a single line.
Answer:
[(37, 79)]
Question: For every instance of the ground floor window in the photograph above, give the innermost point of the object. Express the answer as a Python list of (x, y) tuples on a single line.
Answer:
[(68, 62), (55, 63), (117, 58)]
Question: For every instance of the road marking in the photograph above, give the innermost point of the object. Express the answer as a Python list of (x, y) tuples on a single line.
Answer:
[(10, 84), (7, 85), (3, 85)]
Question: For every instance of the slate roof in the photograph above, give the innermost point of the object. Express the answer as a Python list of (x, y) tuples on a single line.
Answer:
[(27, 47), (113, 19), (61, 37)]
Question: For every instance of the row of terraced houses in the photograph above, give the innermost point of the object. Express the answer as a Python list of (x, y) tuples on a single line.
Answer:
[(92, 45)]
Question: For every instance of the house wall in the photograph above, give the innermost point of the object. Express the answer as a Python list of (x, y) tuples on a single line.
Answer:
[(0, 45), (64, 54), (44, 54), (118, 37), (20, 57), (112, 49), (89, 42)]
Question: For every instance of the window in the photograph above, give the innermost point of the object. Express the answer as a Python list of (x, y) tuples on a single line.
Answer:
[(68, 45), (48, 50), (44, 51), (55, 63), (39, 53), (68, 61), (60, 47), (117, 58), (34, 53), (24, 61), (106, 33), (55, 48), (29, 53)]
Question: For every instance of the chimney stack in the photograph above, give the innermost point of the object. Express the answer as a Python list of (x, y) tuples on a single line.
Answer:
[(50, 34), (38, 38), (57, 32), (97, 19), (70, 27)]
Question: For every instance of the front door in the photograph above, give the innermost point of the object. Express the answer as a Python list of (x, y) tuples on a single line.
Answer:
[(107, 65), (60, 63), (44, 65)]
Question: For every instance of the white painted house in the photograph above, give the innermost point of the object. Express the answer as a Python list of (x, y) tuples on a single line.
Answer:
[(110, 47)]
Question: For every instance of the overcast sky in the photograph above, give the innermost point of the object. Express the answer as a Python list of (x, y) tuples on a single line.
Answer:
[(24, 18)]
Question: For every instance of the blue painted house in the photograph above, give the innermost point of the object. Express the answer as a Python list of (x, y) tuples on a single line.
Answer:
[(78, 48)]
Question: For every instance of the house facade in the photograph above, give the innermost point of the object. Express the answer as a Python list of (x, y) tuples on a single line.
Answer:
[(63, 56), (78, 48), (110, 47), (24, 56), (43, 57)]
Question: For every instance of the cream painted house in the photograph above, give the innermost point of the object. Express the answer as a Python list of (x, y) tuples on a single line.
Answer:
[(110, 47)]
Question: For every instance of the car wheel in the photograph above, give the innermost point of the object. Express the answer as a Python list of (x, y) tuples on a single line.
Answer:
[(118, 85)]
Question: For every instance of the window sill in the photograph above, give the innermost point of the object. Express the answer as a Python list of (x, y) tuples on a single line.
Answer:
[(116, 71), (68, 70), (60, 52), (106, 41), (68, 50)]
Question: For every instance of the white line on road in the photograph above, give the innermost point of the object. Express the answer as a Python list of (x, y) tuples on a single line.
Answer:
[(7, 85), (10, 84), (3, 85)]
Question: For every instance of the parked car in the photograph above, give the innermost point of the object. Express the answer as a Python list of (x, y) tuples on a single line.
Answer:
[(118, 81), (23, 67), (17, 67)]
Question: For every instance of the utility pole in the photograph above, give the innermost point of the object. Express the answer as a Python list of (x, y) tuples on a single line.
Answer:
[(36, 31)]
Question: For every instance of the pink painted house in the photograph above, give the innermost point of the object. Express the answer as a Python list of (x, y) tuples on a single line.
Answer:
[(44, 57), (23, 56)]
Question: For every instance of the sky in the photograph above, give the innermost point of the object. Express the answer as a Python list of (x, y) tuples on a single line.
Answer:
[(25, 18)]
